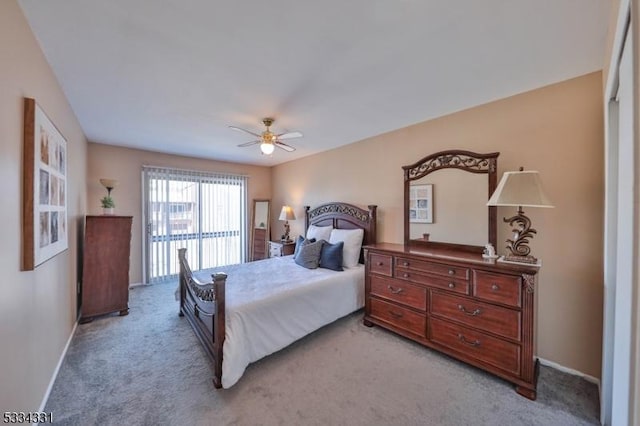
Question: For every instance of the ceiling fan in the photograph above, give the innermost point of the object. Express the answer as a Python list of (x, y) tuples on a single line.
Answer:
[(269, 140)]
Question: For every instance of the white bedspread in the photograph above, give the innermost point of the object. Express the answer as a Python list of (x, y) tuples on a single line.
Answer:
[(272, 303)]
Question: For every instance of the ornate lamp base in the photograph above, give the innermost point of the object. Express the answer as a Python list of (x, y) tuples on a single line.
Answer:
[(520, 259), (285, 237), (518, 247)]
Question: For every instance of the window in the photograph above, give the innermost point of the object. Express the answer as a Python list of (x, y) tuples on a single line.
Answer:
[(202, 212)]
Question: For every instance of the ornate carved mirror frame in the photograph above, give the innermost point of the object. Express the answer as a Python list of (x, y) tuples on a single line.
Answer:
[(453, 159)]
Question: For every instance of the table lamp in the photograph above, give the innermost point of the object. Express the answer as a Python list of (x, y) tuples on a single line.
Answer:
[(109, 184), (286, 214), (107, 202), (518, 189)]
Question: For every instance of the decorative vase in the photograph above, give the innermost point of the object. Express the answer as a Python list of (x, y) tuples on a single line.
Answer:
[(108, 211)]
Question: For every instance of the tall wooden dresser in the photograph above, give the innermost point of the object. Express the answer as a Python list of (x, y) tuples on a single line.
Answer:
[(476, 310), (105, 266), (259, 244)]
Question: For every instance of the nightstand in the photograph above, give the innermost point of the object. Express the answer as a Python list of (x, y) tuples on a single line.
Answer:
[(281, 248)]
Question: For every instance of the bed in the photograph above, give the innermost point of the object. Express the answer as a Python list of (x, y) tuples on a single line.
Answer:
[(254, 309)]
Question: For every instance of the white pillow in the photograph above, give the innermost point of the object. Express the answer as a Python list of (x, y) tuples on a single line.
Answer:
[(319, 232), (352, 244)]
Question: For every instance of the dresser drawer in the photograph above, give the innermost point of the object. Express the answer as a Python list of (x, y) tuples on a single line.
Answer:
[(275, 251), (449, 284), (399, 291), (498, 288), (433, 268), (381, 264), (398, 316), (495, 319), (494, 351)]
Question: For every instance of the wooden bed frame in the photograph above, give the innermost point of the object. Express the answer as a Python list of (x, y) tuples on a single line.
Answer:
[(203, 304)]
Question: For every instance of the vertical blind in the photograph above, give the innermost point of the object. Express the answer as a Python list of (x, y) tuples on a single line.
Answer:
[(201, 211)]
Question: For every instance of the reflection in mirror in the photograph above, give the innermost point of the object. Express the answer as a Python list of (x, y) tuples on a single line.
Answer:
[(458, 208), (445, 200), (260, 234)]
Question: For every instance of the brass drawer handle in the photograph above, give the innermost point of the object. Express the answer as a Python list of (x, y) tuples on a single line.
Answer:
[(395, 291), (452, 272), (452, 285), (380, 263), (396, 314), (405, 263), (495, 287), (474, 343), (473, 313), (405, 275)]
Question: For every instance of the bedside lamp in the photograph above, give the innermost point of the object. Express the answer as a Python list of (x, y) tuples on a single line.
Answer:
[(286, 214), (518, 189)]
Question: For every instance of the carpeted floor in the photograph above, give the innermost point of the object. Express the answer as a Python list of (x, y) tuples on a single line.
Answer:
[(148, 368)]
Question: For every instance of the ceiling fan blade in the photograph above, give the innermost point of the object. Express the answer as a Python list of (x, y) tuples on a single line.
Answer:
[(284, 146), (242, 145), (245, 131), (289, 135)]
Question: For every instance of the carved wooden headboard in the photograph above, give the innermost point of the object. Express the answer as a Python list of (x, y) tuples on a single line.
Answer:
[(344, 216)]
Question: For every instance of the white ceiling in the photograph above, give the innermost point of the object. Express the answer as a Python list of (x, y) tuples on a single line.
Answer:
[(171, 75)]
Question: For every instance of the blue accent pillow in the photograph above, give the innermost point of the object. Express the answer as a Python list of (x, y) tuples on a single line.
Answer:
[(309, 255), (300, 242), (331, 256)]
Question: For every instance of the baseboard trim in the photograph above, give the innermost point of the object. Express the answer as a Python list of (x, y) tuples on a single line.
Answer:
[(132, 285), (568, 370), (57, 370)]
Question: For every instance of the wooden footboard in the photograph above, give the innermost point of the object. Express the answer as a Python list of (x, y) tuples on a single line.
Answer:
[(203, 305)]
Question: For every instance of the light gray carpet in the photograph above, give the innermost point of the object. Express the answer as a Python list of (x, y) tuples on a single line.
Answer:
[(148, 368)]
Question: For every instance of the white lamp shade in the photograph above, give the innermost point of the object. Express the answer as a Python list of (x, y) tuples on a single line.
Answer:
[(287, 213), (108, 183), (267, 148), (521, 188)]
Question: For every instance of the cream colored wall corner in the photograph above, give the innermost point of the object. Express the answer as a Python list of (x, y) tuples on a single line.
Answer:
[(37, 308), (557, 130), (611, 32), (125, 165)]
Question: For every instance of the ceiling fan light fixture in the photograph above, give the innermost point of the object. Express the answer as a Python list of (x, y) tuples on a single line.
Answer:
[(268, 140), (267, 148)]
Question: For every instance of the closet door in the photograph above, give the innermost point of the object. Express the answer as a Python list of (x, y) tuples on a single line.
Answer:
[(625, 252), (621, 253)]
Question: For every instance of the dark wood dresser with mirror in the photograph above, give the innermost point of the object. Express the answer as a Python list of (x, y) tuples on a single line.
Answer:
[(445, 295)]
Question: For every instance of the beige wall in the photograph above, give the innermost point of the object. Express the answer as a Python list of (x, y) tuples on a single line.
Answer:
[(37, 308), (557, 130), (125, 165)]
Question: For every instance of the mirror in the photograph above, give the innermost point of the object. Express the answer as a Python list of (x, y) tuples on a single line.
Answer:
[(445, 197), (260, 231)]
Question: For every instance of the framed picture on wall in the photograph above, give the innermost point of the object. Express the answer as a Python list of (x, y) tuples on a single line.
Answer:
[(44, 221), (421, 203)]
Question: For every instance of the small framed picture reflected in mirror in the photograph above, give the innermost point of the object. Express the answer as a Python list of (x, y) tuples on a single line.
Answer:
[(421, 203)]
